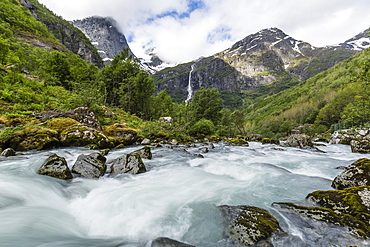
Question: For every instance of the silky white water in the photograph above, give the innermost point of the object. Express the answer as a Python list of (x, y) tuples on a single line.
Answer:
[(190, 87), (177, 198)]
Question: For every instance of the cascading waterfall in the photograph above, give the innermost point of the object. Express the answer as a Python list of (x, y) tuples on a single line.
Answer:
[(190, 88)]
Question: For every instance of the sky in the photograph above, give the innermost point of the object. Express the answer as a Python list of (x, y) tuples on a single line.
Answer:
[(184, 30)]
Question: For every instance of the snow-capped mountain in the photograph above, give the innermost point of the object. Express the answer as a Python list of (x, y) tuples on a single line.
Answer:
[(358, 43)]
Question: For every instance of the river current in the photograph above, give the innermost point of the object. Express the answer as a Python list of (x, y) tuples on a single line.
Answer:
[(177, 198)]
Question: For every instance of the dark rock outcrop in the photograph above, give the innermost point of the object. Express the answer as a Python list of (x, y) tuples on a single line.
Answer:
[(247, 225), (8, 152), (356, 174), (167, 242), (90, 166), (128, 163), (55, 166)]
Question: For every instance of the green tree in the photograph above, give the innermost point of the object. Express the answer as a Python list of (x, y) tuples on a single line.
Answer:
[(237, 118), (58, 69), (4, 49), (206, 104), (162, 105), (127, 86)]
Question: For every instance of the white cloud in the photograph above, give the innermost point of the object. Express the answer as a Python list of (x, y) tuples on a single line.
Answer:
[(220, 23)]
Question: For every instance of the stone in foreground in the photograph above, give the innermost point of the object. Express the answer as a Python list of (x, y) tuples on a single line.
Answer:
[(356, 174), (128, 163), (55, 166), (167, 242), (247, 225), (90, 166)]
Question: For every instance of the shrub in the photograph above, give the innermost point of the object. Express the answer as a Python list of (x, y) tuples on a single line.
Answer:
[(203, 126)]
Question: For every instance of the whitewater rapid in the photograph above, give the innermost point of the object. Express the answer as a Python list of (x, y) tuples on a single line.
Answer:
[(177, 198)]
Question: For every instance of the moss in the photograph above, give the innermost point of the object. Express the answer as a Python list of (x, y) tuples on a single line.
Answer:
[(60, 124), (82, 135)]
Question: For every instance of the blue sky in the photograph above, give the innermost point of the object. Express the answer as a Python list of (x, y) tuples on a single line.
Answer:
[(183, 30)]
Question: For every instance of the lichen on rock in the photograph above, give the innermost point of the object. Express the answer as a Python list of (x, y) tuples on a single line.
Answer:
[(90, 166), (128, 163), (145, 152), (356, 174), (247, 225)]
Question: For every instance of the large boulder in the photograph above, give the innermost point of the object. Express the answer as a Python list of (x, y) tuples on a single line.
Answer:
[(356, 174), (82, 135), (345, 136), (55, 166), (167, 242), (360, 146), (122, 133), (128, 163), (247, 225), (8, 152), (299, 140), (90, 166), (145, 152)]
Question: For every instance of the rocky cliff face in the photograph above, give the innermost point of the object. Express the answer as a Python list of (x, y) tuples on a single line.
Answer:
[(358, 43), (72, 38), (262, 63), (104, 34)]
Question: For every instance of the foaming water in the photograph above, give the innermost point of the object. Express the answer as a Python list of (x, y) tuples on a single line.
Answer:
[(176, 198)]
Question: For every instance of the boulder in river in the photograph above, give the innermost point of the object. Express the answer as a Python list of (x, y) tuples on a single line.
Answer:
[(167, 242), (345, 136), (145, 152), (8, 152), (356, 174), (247, 225), (360, 146), (55, 166), (299, 140), (128, 163), (90, 166)]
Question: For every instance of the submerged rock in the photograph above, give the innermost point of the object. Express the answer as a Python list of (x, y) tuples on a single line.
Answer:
[(128, 163), (247, 225), (90, 166), (55, 166), (167, 242), (356, 174), (8, 152), (145, 152)]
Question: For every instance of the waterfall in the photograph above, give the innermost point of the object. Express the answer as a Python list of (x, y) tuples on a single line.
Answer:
[(190, 88)]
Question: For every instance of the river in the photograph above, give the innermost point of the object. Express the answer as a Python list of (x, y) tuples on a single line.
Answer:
[(177, 198)]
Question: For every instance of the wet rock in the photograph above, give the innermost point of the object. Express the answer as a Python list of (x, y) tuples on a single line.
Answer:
[(360, 146), (146, 142), (167, 242), (55, 166), (8, 152), (122, 133), (238, 142), (174, 142), (345, 136), (299, 140), (247, 225), (356, 174), (270, 141), (145, 152), (128, 163), (82, 135), (90, 166)]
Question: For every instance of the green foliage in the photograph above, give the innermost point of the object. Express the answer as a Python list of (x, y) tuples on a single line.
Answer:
[(202, 127), (162, 105), (206, 104)]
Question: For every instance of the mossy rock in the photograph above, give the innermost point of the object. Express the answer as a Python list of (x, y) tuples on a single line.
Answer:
[(238, 142), (60, 124), (33, 137), (356, 174), (270, 141), (145, 152), (247, 225), (82, 135), (55, 166), (121, 133)]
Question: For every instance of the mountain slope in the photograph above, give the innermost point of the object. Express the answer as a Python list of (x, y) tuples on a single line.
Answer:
[(358, 43), (263, 63), (72, 38)]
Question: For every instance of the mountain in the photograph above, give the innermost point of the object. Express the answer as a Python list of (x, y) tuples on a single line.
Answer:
[(72, 38), (104, 34), (358, 43), (263, 63)]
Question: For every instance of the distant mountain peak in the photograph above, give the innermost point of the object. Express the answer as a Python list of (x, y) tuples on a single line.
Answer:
[(358, 43)]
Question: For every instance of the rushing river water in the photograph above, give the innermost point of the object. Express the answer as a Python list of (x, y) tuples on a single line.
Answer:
[(176, 198)]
